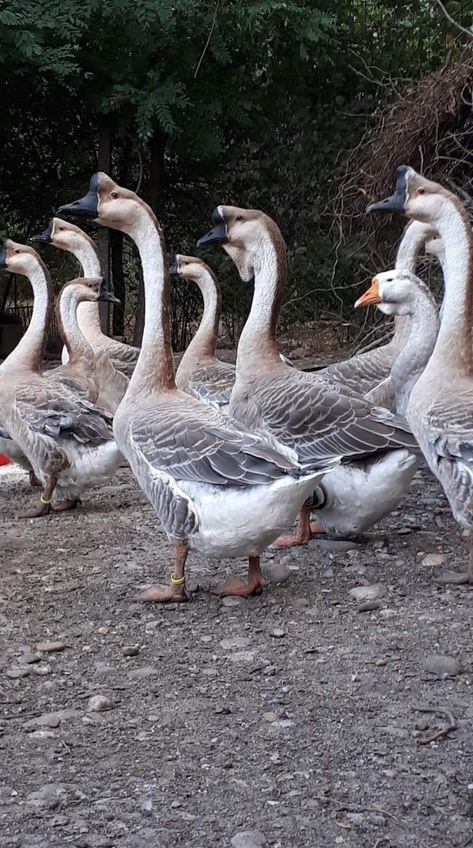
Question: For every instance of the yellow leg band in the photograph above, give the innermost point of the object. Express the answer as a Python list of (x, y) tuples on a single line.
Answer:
[(177, 581), (44, 501)]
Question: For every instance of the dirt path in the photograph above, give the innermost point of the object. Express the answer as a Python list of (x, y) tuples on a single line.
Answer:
[(292, 714)]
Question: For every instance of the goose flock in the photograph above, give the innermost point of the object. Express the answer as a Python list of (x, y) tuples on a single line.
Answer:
[(230, 457)]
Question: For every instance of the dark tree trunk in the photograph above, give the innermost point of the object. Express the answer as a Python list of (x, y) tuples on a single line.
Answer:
[(152, 193), (119, 289), (103, 234)]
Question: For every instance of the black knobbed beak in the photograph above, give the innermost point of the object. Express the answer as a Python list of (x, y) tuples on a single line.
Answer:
[(174, 266), (397, 201), (45, 236), (218, 233), (86, 207), (105, 295)]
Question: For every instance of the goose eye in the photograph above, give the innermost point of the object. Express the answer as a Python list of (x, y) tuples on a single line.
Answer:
[(421, 191), (16, 250), (114, 194)]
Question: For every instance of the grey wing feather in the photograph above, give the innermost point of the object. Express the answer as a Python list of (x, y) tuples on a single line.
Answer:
[(213, 383), (55, 414), (319, 423), (207, 450)]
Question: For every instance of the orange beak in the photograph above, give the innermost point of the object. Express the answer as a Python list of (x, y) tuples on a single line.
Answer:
[(371, 296)]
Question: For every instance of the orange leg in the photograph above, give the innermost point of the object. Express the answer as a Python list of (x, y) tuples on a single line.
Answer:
[(253, 586), (458, 577), (176, 590), (62, 506), (315, 528), (302, 535), (44, 507)]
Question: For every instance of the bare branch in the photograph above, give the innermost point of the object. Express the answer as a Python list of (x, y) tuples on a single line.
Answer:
[(455, 23)]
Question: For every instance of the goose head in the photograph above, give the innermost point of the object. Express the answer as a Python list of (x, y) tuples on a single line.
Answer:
[(91, 289), (394, 293), (189, 267), (19, 258), (414, 196), (242, 234), (108, 204), (63, 235)]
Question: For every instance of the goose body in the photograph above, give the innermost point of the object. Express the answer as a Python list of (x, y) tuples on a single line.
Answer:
[(440, 408), (215, 486), (66, 440), (307, 415), (200, 373)]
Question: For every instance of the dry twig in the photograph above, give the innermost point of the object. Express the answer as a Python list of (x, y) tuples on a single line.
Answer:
[(444, 731)]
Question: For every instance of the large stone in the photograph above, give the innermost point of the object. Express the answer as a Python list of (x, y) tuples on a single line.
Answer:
[(440, 665), (368, 593), (248, 839)]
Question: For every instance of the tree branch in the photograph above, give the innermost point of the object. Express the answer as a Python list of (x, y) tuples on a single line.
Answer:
[(463, 29)]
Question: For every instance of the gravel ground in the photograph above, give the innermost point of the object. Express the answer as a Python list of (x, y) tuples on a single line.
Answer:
[(296, 716)]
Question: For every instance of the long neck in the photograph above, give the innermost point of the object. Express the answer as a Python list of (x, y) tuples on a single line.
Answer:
[(416, 353), (154, 370), (78, 348), (454, 346), (204, 342), (408, 251), (28, 354), (258, 339), (88, 314)]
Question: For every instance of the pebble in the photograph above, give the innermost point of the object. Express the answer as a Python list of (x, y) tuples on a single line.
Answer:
[(277, 572), (440, 665), (99, 704), (433, 560), (235, 642), (48, 647), (147, 807), (277, 632), (369, 606), (42, 669), (368, 593), (50, 719), (142, 673), (16, 673), (243, 656), (248, 839), (47, 796), (233, 601), (30, 657), (130, 650), (421, 724), (339, 545), (270, 716)]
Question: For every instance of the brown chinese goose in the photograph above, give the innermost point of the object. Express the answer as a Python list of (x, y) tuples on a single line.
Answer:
[(308, 415), (215, 485), (440, 408)]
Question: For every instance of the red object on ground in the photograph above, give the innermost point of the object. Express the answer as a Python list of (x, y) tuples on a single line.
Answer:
[(4, 459)]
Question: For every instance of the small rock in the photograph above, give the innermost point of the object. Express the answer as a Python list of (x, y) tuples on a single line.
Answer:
[(232, 601), (242, 656), (130, 650), (30, 657), (147, 807), (248, 839), (42, 669), (355, 818), (277, 632), (99, 704), (50, 719), (369, 606), (48, 647), (278, 572), (339, 545), (404, 531), (368, 593), (433, 560), (440, 665), (48, 796), (421, 724), (235, 642), (142, 673), (16, 673), (270, 716)]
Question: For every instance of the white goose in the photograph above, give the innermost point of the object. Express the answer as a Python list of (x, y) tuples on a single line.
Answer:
[(67, 236), (200, 373), (440, 408), (65, 438), (305, 413), (216, 487), (400, 293)]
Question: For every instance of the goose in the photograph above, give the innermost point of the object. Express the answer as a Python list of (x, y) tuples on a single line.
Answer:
[(366, 373), (440, 408), (67, 236), (200, 373), (215, 486), (401, 293), (309, 415), (66, 439)]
